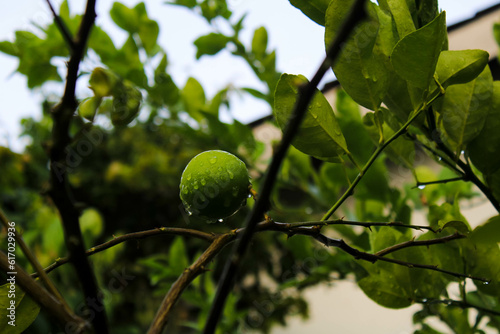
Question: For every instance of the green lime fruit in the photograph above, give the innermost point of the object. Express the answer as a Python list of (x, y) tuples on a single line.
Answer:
[(214, 185)]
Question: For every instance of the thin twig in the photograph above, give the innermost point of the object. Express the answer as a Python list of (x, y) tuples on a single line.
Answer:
[(59, 185), (134, 236), (34, 262), (306, 94), (458, 303), (41, 296), (356, 223), (413, 243), (453, 179), (63, 28), (466, 169)]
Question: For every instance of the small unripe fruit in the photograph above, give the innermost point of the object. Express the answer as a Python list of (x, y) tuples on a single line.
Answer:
[(214, 185)]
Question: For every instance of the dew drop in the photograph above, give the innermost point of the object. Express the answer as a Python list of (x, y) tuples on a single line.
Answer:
[(439, 158), (486, 283), (213, 160), (189, 212), (421, 187), (188, 177), (196, 186), (219, 169), (231, 175), (462, 152), (203, 182), (249, 195), (220, 220)]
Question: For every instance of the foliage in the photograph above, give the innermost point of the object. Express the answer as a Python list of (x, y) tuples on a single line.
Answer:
[(429, 135)]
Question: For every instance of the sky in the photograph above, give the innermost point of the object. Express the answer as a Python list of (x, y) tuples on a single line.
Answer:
[(298, 41)]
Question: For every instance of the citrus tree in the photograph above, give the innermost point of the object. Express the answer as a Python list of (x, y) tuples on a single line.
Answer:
[(105, 228)]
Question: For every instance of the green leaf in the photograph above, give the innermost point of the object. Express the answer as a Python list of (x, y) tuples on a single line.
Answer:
[(384, 290), (482, 261), (124, 17), (88, 107), (177, 255), (457, 225), (319, 135), (102, 44), (465, 107), (360, 67), (91, 224), (458, 67), (496, 32), (488, 233), (126, 104), (8, 48), (415, 56), (64, 11), (164, 91), (193, 97), (427, 10), (314, 9), (26, 310), (148, 33), (102, 82), (401, 15), (210, 44), (185, 3), (259, 42), (484, 150)]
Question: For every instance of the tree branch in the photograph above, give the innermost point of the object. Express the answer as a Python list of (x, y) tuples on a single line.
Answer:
[(134, 236), (63, 28), (355, 223), (413, 243), (42, 297), (59, 186), (306, 94)]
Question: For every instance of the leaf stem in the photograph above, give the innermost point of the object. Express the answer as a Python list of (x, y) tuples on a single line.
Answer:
[(423, 184), (63, 28), (370, 161)]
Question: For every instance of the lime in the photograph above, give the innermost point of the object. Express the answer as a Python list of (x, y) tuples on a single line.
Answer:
[(214, 185)]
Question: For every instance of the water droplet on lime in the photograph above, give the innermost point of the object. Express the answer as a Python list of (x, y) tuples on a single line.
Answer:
[(213, 160), (231, 174), (203, 182)]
